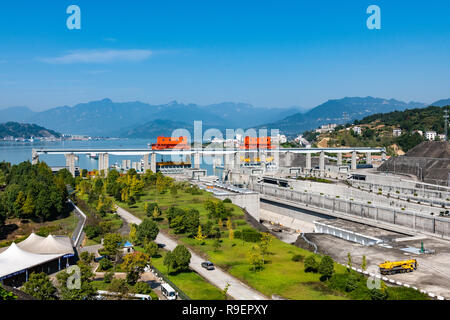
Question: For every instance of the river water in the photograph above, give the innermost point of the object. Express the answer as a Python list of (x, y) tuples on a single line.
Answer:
[(16, 152)]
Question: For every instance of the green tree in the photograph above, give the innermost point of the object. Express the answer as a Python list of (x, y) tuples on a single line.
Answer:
[(182, 257), (108, 277), (255, 258), (112, 242), (265, 243), (225, 290), (40, 286), (28, 206), (326, 267), (364, 263), (200, 236), (169, 261), (134, 265), (119, 286), (310, 264), (147, 230), (349, 262), (151, 248), (132, 235)]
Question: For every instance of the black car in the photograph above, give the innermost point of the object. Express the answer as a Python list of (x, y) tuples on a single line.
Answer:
[(208, 265)]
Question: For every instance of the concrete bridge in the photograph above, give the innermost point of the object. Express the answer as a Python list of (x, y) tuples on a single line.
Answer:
[(232, 156)]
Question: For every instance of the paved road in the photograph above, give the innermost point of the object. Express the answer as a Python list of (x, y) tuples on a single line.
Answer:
[(237, 290)]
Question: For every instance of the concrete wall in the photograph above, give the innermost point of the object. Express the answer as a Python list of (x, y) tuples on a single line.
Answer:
[(418, 222), (248, 201)]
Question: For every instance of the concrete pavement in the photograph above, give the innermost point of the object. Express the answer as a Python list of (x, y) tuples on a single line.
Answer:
[(237, 289)]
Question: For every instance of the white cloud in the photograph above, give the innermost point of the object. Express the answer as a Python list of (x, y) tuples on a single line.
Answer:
[(100, 56)]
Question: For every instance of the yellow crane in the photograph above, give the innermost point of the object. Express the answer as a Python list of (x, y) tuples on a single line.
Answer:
[(392, 267)]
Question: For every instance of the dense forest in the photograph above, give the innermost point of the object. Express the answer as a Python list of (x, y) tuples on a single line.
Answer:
[(32, 191), (425, 119), (25, 130)]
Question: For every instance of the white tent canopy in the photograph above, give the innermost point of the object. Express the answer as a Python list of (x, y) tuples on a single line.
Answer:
[(14, 259), (49, 245)]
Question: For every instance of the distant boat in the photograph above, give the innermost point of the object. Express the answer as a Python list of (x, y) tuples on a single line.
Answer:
[(93, 156)]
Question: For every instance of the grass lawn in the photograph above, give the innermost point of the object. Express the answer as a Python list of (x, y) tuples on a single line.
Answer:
[(280, 275), (191, 283)]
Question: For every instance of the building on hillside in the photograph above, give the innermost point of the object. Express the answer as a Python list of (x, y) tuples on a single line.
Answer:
[(326, 128), (442, 137), (430, 135), (418, 131), (34, 254), (397, 132), (357, 130)]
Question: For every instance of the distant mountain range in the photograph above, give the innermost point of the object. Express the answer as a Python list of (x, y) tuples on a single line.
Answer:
[(26, 131), (339, 111), (137, 119), (108, 118)]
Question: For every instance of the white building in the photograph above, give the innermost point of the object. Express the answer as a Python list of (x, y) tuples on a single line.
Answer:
[(419, 132), (397, 132), (357, 130), (430, 135), (326, 128), (441, 137)]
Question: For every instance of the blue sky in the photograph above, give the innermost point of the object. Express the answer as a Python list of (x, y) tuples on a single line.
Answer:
[(267, 53)]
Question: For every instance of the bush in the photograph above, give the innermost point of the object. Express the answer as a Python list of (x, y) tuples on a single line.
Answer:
[(297, 258), (311, 264), (105, 264), (326, 267), (227, 200), (248, 235), (142, 288), (352, 283), (108, 277), (92, 231)]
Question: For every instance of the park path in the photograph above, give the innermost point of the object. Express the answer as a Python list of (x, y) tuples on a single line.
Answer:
[(237, 289)]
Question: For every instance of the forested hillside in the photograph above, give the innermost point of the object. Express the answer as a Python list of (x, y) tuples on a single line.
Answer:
[(377, 130), (25, 130)]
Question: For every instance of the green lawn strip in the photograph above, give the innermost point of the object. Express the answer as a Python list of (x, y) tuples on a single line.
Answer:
[(191, 283)]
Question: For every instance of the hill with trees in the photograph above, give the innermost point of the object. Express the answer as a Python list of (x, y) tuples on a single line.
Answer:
[(25, 130), (377, 130)]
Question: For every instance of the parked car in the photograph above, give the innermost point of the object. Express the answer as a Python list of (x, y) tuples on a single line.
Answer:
[(208, 265)]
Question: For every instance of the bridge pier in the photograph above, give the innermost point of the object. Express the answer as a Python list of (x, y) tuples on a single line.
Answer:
[(197, 160), (308, 161), (353, 160), (34, 157), (383, 156), (103, 162), (146, 164), (153, 162), (339, 159), (368, 158), (237, 160), (322, 161), (70, 163)]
